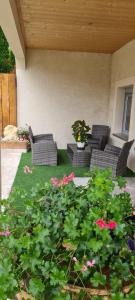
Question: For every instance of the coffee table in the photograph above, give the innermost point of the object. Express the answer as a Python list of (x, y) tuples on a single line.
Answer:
[(79, 158)]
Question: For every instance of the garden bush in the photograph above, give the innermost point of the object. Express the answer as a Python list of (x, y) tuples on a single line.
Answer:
[(64, 235), (7, 59)]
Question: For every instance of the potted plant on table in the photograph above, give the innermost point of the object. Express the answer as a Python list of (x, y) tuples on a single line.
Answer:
[(66, 240), (23, 134), (80, 130)]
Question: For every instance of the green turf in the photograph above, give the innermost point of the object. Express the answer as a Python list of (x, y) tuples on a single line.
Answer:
[(40, 174)]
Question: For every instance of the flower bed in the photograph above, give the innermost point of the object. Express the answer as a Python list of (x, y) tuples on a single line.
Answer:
[(63, 237)]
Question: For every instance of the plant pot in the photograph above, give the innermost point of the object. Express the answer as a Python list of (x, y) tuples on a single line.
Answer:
[(103, 293), (80, 145), (23, 295)]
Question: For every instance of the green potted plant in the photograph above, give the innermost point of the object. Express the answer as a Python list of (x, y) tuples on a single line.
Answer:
[(23, 134), (80, 130), (65, 240)]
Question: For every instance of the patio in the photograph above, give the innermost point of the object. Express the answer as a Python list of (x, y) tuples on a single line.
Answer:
[(75, 60)]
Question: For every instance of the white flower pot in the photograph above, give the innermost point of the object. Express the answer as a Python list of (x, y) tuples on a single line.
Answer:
[(80, 145)]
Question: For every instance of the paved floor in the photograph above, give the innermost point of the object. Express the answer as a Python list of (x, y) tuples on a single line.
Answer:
[(9, 164)]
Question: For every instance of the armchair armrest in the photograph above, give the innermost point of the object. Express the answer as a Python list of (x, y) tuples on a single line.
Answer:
[(39, 137), (110, 149), (103, 157)]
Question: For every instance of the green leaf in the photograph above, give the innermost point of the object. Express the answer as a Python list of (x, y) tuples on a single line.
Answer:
[(98, 279), (36, 287), (94, 244)]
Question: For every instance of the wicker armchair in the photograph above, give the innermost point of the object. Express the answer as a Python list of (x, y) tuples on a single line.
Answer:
[(112, 157), (99, 137), (39, 137), (44, 149)]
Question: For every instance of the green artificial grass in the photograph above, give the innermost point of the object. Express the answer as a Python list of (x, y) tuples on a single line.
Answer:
[(41, 174)]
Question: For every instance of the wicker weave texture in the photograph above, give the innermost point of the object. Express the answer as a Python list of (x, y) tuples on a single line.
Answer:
[(99, 136), (112, 157), (79, 158), (44, 149)]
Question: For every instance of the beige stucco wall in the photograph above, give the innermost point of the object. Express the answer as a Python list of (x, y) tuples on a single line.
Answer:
[(123, 74), (58, 88)]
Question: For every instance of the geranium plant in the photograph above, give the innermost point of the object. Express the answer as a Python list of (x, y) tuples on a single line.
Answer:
[(65, 236), (23, 133)]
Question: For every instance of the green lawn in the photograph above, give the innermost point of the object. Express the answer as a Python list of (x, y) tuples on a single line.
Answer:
[(41, 174)]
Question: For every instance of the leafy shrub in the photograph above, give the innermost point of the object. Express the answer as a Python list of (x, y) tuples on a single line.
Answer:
[(7, 59), (67, 234)]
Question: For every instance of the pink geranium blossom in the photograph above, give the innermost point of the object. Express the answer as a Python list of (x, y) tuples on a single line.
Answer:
[(126, 189), (101, 223), (84, 268), (91, 263), (134, 213), (111, 225), (71, 176), (54, 181), (5, 233), (74, 259), (27, 170), (60, 182)]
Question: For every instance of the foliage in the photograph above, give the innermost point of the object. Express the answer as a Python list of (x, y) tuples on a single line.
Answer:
[(23, 133), (53, 238), (7, 59), (80, 130)]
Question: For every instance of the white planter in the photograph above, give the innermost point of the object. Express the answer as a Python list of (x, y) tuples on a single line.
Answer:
[(80, 145)]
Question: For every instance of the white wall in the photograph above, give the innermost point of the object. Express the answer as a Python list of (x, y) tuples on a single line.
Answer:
[(123, 74), (58, 88)]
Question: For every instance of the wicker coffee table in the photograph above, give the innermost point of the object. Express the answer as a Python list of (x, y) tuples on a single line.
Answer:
[(79, 158)]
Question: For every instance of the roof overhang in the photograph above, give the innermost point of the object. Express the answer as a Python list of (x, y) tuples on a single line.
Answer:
[(71, 25)]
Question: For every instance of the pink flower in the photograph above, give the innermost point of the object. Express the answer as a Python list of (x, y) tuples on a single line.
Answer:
[(71, 176), (112, 225), (55, 181), (5, 233), (133, 213), (84, 268), (27, 170), (60, 182), (74, 259), (126, 189), (91, 263), (101, 223), (65, 180)]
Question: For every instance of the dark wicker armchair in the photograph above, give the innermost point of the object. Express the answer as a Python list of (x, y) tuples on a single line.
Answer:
[(39, 137), (112, 157), (44, 149), (99, 137)]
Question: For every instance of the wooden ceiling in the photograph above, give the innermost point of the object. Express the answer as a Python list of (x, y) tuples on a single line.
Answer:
[(77, 25)]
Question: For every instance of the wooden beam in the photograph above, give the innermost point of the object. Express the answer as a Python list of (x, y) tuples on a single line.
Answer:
[(9, 21)]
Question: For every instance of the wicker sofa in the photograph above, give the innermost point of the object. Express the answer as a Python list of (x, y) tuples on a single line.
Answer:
[(112, 157), (99, 137), (44, 149)]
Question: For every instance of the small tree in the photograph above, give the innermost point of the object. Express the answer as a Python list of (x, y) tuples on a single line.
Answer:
[(7, 59)]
